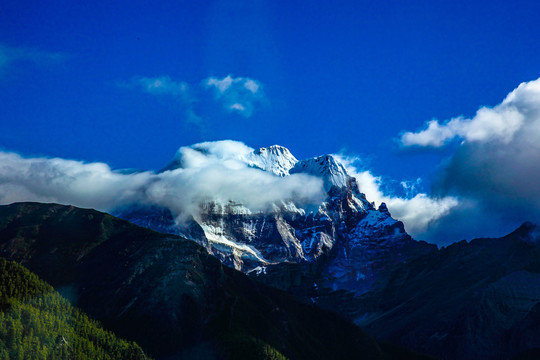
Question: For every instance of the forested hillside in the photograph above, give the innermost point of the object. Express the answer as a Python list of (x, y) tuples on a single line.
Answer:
[(37, 323)]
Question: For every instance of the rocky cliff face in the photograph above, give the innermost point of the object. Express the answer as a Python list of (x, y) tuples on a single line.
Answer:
[(346, 234)]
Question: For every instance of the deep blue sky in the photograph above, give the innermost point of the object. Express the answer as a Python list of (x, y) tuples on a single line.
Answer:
[(350, 75)]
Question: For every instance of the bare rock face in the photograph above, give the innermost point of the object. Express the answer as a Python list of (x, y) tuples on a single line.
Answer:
[(371, 249), (350, 240)]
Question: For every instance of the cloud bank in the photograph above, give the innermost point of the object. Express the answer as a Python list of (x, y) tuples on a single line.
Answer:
[(496, 167), (499, 123), (209, 171)]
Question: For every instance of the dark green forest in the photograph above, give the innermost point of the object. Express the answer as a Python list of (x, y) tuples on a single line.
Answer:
[(37, 323)]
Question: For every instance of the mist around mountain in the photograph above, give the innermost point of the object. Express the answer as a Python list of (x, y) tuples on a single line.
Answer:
[(219, 171)]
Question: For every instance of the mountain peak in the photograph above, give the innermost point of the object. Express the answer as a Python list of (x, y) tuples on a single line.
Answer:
[(275, 159), (527, 232), (384, 209), (332, 171), (274, 149)]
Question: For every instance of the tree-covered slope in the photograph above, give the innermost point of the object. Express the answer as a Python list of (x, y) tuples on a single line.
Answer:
[(37, 323)]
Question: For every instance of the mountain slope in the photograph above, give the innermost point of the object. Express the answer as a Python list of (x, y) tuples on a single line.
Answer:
[(466, 301), (168, 293), (37, 323)]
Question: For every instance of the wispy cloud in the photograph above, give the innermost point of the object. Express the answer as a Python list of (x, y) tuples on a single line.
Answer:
[(239, 94), (161, 85), (11, 55), (178, 91)]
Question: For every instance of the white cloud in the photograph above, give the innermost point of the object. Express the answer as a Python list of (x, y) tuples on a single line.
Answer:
[(237, 94), (209, 171), (251, 85), (66, 181), (419, 212), (435, 135), (238, 107), (494, 171), (221, 85), (161, 85), (499, 123)]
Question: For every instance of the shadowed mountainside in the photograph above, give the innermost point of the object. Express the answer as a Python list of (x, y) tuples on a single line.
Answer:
[(476, 300)]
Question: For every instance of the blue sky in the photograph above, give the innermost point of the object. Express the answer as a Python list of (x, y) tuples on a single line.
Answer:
[(78, 81)]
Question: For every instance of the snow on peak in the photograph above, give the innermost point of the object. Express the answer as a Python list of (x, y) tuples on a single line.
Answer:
[(332, 171), (275, 159)]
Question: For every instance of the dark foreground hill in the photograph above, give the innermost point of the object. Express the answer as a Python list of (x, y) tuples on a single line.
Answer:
[(476, 300), (37, 323), (169, 295)]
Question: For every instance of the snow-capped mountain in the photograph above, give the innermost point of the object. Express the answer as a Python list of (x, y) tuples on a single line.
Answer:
[(344, 234), (327, 167), (275, 159)]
